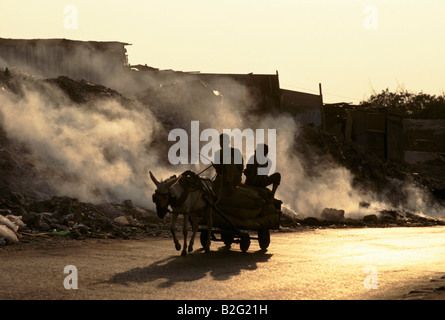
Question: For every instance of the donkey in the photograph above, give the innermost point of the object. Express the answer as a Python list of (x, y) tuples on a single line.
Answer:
[(186, 201)]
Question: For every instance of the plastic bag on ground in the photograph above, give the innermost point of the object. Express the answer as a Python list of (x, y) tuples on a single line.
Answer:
[(8, 223), (8, 235)]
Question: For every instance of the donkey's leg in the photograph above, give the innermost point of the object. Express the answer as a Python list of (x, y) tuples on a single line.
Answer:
[(194, 229), (184, 231), (173, 229), (209, 228)]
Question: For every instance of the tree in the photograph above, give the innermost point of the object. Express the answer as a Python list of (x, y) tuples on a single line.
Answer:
[(409, 105)]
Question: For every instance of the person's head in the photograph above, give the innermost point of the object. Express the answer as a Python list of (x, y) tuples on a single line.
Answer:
[(224, 140), (262, 149)]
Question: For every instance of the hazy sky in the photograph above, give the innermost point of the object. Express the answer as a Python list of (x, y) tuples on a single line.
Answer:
[(352, 47)]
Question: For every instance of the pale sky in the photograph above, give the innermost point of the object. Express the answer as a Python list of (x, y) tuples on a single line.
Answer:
[(350, 46)]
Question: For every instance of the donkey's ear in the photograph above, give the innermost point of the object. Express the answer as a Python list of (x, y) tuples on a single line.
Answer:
[(155, 181)]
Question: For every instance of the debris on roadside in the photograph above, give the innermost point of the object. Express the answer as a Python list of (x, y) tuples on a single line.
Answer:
[(333, 218), (9, 227), (333, 214), (68, 217), (27, 200)]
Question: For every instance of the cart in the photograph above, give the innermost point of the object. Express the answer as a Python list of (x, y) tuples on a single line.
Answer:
[(231, 230)]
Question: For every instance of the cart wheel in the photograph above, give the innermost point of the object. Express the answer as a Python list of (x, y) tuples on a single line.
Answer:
[(203, 237), (244, 242), (227, 238), (264, 238)]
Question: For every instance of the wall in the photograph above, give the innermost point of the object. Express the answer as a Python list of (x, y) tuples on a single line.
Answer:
[(424, 140), (303, 106), (50, 58)]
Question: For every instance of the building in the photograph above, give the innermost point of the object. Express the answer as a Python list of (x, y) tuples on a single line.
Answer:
[(50, 58), (303, 106), (106, 63), (376, 129), (424, 141), (262, 90)]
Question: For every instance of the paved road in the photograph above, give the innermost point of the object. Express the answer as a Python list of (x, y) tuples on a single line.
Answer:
[(320, 264)]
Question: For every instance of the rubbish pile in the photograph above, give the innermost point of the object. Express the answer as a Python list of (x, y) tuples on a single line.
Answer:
[(333, 218), (82, 91), (370, 172), (29, 207), (64, 216), (9, 227)]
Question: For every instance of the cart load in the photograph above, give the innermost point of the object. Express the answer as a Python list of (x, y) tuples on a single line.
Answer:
[(249, 208)]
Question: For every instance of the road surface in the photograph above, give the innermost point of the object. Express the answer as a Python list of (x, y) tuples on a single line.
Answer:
[(381, 263)]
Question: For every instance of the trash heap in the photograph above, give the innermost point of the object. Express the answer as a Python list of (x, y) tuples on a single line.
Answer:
[(68, 217), (9, 227), (335, 218), (29, 207)]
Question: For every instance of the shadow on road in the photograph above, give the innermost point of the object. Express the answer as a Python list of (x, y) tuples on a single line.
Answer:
[(221, 265)]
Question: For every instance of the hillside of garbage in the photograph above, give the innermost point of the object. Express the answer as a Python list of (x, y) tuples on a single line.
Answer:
[(32, 205)]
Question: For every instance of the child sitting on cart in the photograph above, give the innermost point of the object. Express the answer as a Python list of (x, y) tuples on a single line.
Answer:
[(253, 179)]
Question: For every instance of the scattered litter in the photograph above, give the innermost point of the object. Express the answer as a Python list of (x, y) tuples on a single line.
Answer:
[(9, 227), (17, 220), (8, 223), (60, 233), (333, 214), (22, 214), (8, 235), (122, 221)]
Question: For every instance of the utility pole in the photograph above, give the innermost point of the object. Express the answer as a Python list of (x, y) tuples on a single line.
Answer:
[(323, 117)]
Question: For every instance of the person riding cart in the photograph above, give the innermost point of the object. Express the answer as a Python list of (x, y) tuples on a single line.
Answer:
[(254, 179), (229, 166)]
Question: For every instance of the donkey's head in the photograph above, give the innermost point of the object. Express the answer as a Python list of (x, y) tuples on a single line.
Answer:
[(162, 195)]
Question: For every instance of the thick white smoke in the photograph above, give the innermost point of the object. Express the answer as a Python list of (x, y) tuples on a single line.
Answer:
[(97, 152), (101, 150), (304, 194)]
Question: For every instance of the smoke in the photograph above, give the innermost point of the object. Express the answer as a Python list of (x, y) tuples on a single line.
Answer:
[(305, 194), (96, 152), (311, 183), (416, 200), (102, 149)]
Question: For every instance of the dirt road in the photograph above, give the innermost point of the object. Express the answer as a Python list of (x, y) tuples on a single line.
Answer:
[(381, 263)]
